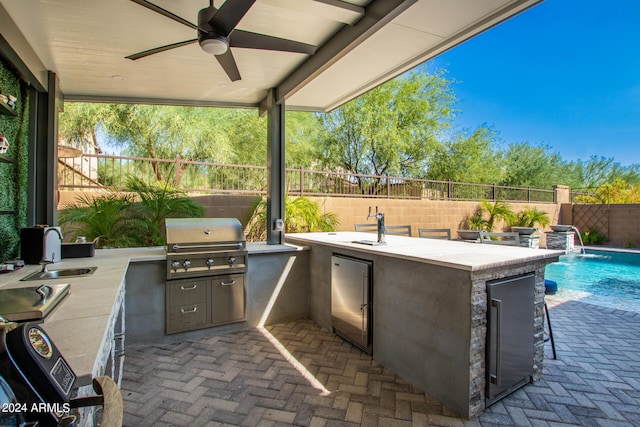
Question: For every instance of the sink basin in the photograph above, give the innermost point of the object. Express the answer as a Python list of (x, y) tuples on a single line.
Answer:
[(58, 274), (368, 242)]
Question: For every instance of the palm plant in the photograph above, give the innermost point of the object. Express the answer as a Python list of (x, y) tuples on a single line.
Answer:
[(155, 202), (301, 215), (130, 219), (530, 217), (102, 219), (476, 222), (497, 211)]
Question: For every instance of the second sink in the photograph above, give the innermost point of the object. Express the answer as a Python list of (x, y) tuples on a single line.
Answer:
[(57, 274)]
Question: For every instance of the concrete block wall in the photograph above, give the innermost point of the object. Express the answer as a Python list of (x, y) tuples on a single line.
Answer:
[(417, 213), (624, 225), (228, 206), (620, 223)]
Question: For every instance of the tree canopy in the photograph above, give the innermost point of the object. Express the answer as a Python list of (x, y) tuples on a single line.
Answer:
[(467, 158), (391, 129), (405, 127)]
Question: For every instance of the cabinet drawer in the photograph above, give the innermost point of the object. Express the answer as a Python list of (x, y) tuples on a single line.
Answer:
[(186, 292), (186, 317), (227, 299)]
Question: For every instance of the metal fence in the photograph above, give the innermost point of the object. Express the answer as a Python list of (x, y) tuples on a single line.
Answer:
[(95, 171), (589, 195)]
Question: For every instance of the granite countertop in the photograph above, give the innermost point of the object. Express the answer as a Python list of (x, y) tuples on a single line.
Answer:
[(449, 253)]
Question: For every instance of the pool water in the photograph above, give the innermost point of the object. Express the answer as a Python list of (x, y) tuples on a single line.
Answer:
[(605, 278)]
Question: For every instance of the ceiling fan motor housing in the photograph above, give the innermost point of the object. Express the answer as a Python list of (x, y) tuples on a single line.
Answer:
[(210, 40)]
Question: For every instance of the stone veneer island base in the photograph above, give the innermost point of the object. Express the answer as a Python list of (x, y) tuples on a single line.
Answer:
[(430, 306)]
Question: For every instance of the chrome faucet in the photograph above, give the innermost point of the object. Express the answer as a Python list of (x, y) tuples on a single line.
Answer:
[(379, 216), (44, 260)]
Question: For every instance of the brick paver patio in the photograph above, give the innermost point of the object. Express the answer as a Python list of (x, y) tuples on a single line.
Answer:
[(297, 373)]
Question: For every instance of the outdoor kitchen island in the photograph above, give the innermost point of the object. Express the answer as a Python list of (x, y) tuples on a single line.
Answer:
[(429, 316)]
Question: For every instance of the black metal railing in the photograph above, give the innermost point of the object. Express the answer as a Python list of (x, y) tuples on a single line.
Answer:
[(94, 171)]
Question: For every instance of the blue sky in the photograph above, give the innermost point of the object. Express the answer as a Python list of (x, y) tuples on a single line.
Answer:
[(565, 73)]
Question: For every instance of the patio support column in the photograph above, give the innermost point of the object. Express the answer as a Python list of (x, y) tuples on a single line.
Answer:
[(275, 169)]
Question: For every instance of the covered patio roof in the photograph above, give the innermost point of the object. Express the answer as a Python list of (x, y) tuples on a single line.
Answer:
[(359, 44)]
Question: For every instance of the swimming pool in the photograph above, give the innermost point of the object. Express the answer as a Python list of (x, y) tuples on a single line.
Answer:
[(608, 278)]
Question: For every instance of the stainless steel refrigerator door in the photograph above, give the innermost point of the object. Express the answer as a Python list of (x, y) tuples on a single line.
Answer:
[(350, 292), (510, 335)]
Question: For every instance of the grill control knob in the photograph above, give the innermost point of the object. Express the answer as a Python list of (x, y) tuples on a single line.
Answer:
[(209, 262), (175, 265), (186, 264), (231, 260)]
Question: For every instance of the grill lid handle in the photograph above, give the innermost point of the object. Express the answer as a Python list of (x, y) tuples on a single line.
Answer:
[(177, 247)]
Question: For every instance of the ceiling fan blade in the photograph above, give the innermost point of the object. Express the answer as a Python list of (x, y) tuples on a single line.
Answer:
[(228, 63), (160, 49), (248, 40), (165, 12), (229, 14)]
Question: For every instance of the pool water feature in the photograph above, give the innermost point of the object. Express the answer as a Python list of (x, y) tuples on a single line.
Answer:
[(608, 278)]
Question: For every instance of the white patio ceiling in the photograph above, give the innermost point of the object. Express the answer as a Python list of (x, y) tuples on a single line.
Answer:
[(361, 44)]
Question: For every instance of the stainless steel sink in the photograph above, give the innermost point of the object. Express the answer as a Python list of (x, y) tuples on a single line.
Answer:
[(369, 242), (61, 273)]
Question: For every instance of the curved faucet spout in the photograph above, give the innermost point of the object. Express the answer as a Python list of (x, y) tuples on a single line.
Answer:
[(44, 260)]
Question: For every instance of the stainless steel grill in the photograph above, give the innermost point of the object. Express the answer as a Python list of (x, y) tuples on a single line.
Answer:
[(201, 247)]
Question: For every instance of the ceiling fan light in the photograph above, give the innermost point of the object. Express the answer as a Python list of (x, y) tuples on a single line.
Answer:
[(215, 46)]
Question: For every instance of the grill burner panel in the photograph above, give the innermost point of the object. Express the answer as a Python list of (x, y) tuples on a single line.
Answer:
[(184, 265)]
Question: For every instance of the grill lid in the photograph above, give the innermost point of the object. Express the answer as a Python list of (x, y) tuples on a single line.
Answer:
[(203, 231)]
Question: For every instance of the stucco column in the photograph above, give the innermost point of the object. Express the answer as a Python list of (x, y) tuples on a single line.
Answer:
[(562, 194)]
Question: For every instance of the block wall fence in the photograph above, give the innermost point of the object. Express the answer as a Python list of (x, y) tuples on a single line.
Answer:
[(619, 223), (449, 214)]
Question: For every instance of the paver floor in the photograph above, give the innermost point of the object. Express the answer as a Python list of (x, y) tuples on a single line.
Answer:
[(297, 373)]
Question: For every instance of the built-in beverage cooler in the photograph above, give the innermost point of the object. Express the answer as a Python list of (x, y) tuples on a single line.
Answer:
[(351, 300), (510, 331)]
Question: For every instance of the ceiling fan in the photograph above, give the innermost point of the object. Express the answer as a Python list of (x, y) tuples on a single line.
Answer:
[(217, 33)]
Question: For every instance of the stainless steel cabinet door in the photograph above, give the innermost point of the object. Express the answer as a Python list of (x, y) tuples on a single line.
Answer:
[(510, 335), (227, 299), (350, 300)]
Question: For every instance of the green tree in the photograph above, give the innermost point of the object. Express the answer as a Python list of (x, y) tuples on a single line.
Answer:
[(391, 129), (598, 171), (618, 191), (302, 134), (162, 132), (195, 133), (528, 165), (79, 123), (467, 158)]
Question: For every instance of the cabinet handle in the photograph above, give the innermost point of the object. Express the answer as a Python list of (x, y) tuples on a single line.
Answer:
[(191, 310), (189, 288), (118, 342), (232, 282), (497, 377)]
